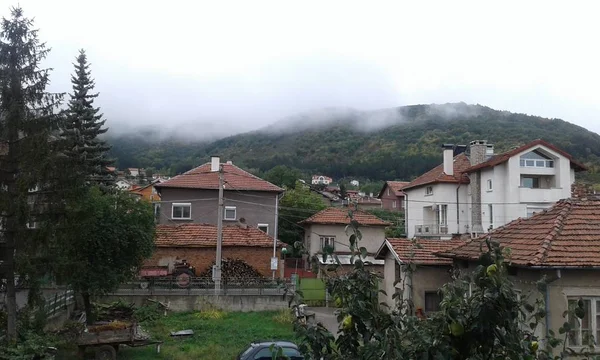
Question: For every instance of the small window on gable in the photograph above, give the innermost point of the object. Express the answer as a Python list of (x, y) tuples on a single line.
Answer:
[(429, 190), (388, 191), (394, 204), (263, 228), (490, 185), (536, 158), (181, 211), (230, 213)]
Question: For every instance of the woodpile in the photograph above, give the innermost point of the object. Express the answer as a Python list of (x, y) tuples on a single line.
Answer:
[(233, 269)]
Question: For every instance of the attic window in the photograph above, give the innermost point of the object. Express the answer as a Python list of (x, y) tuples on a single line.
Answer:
[(429, 190), (263, 227), (536, 159)]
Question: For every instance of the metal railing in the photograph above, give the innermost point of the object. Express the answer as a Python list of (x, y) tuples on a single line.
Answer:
[(58, 302), (431, 229), (203, 285)]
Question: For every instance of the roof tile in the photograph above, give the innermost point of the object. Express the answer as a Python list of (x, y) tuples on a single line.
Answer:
[(337, 216), (205, 235), (421, 251), (437, 175)]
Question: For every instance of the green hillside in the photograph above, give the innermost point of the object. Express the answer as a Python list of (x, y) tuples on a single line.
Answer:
[(398, 143)]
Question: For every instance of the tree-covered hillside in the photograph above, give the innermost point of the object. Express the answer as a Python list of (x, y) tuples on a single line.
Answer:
[(398, 143)]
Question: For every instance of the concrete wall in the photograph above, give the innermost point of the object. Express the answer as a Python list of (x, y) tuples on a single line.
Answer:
[(202, 258), (182, 303), (372, 237), (425, 279), (262, 211)]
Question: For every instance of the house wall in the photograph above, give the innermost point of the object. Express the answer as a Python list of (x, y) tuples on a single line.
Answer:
[(372, 237), (387, 200), (445, 193), (254, 206), (427, 278), (202, 258)]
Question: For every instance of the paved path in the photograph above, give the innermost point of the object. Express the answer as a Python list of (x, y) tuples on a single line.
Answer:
[(327, 317)]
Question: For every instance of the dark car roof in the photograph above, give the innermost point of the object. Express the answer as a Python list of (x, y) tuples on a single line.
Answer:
[(276, 342)]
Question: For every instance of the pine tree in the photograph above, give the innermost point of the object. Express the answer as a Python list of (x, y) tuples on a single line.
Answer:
[(83, 126), (28, 126)]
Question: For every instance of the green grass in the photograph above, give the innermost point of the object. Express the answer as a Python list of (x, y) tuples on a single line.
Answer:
[(214, 339)]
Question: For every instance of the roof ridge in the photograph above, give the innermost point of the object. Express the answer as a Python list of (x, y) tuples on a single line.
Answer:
[(555, 231)]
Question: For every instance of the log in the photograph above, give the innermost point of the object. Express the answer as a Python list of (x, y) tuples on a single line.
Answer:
[(233, 269)]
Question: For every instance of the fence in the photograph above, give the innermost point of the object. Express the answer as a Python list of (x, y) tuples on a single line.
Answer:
[(201, 285), (58, 302)]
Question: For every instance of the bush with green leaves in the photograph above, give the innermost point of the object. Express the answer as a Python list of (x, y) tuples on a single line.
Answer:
[(481, 317)]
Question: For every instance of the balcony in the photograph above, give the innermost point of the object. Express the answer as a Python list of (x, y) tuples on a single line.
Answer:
[(528, 195), (431, 230)]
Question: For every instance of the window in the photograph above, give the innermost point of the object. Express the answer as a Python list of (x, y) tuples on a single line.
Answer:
[(490, 185), (443, 219), (429, 190), (583, 331), (328, 241), (181, 211), (394, 204), (432, 301), (388, 191), (230, 213), (267, 354), (31, 224), (531, 182), (263, 228), (491, 212), (536, 159)]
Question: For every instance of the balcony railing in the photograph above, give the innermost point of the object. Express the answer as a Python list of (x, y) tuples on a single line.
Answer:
[(431, 230)]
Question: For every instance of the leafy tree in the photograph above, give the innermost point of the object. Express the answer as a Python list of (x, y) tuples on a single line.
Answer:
[(296, 205), (28, 165), (480, 317), (283, 176), (115, 234), (343, 191), (396, 218), (84, 123)]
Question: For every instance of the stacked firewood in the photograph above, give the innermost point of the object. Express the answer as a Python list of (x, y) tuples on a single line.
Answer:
[(234, 269)]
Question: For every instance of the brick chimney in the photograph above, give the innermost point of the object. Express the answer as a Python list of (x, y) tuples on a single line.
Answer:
[(478, 153), (448, 159), (582, 191)]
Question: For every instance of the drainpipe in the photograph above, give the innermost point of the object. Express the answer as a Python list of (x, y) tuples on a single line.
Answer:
[(406, 213), (457, 210), (547, 302)]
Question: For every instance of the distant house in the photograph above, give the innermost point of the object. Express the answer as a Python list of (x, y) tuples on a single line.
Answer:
[(111, 169), (321, 180), (192, 197), (475, 190), (196, 243), (148, 192), (392, 196), (328, 228), (123, 184), (355, 183), (367, 202), (136, 172)]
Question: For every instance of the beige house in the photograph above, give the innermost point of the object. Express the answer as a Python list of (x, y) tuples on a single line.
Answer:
[(419, 286), (327, 228), (561, 243)]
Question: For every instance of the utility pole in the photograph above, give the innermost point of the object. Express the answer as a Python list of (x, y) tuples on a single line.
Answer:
[(275, 231), (219, 234)]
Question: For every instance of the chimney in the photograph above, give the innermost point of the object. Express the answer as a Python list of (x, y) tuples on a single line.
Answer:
[(479, 152), (242, 223), (215, 163), (229, 162), (448, 159)]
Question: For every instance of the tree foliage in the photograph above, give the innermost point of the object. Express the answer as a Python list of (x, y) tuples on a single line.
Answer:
[(396, 218), (283, 176), (296, 205), (115, 233), (481, 317)]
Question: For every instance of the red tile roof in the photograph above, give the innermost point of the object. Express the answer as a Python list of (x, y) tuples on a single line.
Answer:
[(437, 175), (419, 251), (235, 179), (205, 235), (501, 158), (566, 235), (338, 216), (396, 187)]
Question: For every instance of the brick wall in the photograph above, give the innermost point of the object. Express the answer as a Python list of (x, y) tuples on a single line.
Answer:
[(202, 258)]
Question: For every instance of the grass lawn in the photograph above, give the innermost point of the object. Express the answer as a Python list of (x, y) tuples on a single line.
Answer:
[(214, 338)]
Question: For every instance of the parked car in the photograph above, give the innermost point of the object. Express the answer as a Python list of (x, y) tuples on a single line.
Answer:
[(261, 350)]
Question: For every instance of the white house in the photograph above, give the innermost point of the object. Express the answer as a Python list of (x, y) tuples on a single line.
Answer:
[(123, 184), (477, 190), (355, 183), (320, 179)]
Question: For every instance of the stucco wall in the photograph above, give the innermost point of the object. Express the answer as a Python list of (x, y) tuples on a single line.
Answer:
[(372, 237), (260, 211)]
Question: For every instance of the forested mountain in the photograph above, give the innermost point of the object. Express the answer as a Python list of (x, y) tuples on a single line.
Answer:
[(398, 143)]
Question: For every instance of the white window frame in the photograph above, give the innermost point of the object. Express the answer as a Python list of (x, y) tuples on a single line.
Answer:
[(263, 226), (593, 320), (174, 205), (428, 190), (234, 213), (394, 204), (388, 191), (31, 224), (327, 240), (490, 185)]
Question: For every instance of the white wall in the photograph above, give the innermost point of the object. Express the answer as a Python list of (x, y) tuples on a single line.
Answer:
[(372, 237)]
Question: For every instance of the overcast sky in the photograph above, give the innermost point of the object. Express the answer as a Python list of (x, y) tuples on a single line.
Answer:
[(241, 65)]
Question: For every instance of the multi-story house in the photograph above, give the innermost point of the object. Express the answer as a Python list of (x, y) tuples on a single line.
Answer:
[(392, 196), (321, 180), (192, 197), (475, 190)]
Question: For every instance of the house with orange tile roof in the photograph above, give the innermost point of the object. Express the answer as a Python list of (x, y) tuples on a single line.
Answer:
[(392, 196), (429, 272), (192, 197), (561, 244), (475, 190), (148, 192), (327, 228), (196, 244)]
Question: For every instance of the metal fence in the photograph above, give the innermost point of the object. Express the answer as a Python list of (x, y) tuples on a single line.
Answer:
[(202, 285), (58, 302)]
